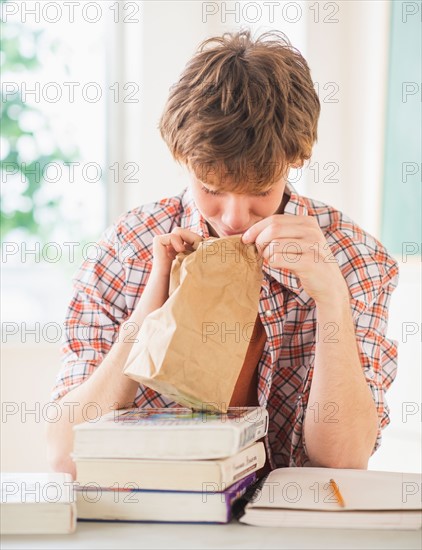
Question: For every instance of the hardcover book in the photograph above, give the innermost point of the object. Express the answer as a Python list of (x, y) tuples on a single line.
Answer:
[(94, 503), (170, 475), (170, 433)]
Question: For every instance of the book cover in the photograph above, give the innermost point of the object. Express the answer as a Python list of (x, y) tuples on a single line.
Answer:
[(170, 433), (174, 416)]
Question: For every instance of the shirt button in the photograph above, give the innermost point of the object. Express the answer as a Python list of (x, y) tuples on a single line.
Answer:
[(268, 313), (371, 374)]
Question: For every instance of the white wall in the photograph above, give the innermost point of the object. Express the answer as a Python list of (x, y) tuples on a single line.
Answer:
[(353, 55), (27, 377)]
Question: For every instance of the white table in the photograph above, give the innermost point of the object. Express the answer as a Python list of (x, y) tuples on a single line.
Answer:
[(157, 536)]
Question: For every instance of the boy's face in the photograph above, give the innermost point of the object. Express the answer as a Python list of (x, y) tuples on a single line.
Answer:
[(230, 213)]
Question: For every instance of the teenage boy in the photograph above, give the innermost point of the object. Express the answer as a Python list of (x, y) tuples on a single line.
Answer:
[(241, 115)]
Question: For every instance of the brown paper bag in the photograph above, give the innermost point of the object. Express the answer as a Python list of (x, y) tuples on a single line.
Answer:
[(192, 348)]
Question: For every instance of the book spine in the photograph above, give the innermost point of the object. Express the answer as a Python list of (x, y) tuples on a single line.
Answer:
[(236, 491), (239, 466), (253, 429), (238, 509)]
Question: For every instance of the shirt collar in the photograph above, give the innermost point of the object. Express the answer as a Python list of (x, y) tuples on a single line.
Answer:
[(192, 219)]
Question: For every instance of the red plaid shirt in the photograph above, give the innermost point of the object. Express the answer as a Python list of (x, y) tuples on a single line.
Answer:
[(107, 290)]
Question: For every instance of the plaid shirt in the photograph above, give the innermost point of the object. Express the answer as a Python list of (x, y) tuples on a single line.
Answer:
[(107, 290)]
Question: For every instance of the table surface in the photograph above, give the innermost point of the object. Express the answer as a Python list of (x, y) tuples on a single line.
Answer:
[(123, 535)]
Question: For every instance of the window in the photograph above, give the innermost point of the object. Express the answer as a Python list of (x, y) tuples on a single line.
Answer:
[(402, 170), (53, 142)]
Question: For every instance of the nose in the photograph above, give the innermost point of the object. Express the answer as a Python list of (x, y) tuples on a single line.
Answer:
[(236, 213)]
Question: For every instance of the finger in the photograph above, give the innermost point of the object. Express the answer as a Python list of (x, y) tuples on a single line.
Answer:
[(275, 233), (177, 243), (281, 221), (171, 253), (286, 251), (187, 236), (251, 234)]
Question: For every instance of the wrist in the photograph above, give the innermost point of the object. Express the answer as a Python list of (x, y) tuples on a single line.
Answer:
[(160, 275), (336, 298)]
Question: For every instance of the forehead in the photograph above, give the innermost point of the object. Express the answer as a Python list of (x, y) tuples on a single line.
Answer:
[(225, 181), (215, 175)]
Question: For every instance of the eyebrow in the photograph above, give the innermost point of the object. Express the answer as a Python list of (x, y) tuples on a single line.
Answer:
[(207, 184)]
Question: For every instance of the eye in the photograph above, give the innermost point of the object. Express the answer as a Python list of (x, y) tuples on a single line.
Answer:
[(209, 191), (264, 194), (212, 192)]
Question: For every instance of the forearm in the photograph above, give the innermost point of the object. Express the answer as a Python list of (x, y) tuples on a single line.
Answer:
[(341, 420), (107, 388)]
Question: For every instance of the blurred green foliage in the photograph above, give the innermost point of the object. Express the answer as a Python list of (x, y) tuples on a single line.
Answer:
[(12, 108)]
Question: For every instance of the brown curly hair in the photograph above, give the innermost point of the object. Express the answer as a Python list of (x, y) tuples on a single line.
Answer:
[(242, 108)]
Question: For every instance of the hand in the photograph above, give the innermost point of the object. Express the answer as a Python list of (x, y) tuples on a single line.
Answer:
[(297, 243), (166, 247)]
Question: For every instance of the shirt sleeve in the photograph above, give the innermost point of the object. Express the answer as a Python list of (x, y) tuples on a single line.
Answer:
[(378, 354), (96, 310)]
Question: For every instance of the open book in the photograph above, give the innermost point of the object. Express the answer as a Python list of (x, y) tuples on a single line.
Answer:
[(305, 497)]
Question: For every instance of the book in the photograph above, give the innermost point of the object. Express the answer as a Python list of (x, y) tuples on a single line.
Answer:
[(37, 503), (170, 433), (160, 506), (174, 475), (362, 499)]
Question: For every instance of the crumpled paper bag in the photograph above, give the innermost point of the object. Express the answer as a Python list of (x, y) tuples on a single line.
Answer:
[(192, 348)]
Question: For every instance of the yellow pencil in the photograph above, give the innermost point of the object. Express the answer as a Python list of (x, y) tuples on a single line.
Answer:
[(337, 493)]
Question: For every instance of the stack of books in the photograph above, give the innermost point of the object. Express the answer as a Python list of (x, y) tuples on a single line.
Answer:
[(168, 464)]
